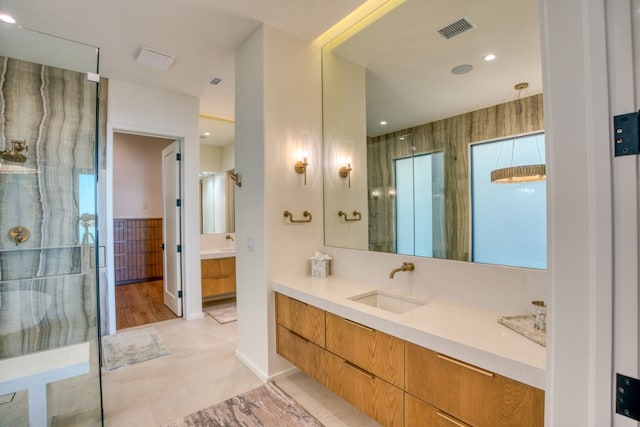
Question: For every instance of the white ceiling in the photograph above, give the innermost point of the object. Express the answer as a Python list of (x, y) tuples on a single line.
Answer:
[(408, 63), (409, 79), (203, 35)]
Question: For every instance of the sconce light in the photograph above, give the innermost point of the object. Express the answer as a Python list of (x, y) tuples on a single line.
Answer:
[(301, 168), (345, 172)]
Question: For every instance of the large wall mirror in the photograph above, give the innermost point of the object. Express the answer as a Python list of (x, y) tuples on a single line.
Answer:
[(417, 116), (217, 190)]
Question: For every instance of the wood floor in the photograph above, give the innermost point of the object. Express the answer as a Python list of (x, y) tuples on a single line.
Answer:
[(139, 304)]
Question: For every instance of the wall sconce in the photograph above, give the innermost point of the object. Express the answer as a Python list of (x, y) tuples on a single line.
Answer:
[(345, 172), (301, 168)]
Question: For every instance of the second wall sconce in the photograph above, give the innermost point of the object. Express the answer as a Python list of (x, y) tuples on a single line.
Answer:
[(345, 172), (301, 168)]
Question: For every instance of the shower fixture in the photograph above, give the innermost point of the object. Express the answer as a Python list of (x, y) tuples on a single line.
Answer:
[(14, 154)]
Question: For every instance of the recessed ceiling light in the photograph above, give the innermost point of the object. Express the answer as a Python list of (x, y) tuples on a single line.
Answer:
[(7, 18), (490, 57), (462, 69), (383, 123)]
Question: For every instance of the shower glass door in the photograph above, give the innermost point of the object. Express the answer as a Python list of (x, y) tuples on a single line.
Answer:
[(49, 352)]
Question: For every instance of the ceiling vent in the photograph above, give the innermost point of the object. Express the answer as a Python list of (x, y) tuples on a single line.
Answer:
[(215, 81), (455, 28), (154, 58)]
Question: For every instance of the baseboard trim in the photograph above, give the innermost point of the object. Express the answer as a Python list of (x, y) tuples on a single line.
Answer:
[(253, 368)]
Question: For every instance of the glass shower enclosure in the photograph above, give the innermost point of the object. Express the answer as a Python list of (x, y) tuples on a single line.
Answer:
[(49, 352)]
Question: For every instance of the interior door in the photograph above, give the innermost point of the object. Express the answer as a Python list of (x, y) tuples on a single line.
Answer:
[(171, 228), (622, 27)]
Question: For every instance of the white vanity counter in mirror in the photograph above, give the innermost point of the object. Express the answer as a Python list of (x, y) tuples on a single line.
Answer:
[(219, 245), (217, 253), (463, 332)]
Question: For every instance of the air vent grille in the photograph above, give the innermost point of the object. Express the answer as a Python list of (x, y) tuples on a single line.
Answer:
[(215, 81), (456, 28)]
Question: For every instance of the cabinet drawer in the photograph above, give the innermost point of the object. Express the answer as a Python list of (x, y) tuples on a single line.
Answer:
[(375, 397), (303, 319), (374, 351), (473, 395), (217, 267), (212, 286), (420, 414), (307, 356)]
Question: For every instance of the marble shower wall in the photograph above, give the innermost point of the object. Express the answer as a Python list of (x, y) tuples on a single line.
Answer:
[(451, 136), (47, 284)]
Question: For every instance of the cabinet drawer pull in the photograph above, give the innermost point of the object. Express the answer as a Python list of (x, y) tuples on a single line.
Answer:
[(359, 370), (465, 365), (298, 335), (451, 420), (366, 328)]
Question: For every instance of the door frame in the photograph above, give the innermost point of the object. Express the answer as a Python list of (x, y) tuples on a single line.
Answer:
[(111, 294)]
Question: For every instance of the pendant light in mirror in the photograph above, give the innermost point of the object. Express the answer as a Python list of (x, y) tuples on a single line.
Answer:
[(519, 173)]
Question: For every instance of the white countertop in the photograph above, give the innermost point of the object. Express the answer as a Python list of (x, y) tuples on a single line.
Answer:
[(463, 332), (217, 253)]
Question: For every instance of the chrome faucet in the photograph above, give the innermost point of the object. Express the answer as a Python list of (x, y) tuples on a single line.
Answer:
[(406, 266)]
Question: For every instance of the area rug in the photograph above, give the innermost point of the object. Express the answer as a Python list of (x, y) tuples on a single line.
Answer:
[(265, 406), (224, 314), (126, 348)]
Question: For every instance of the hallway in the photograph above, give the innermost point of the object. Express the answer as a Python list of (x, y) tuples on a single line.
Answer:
[(140, 304)]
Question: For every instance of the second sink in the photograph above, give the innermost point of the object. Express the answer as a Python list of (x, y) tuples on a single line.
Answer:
[(388, 301)]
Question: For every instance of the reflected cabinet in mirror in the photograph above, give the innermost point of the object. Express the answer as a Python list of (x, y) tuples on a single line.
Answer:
[(432, 147)]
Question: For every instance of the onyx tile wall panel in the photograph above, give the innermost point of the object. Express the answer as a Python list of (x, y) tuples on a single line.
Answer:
[(452, 136), (137, 249), (54, 110)]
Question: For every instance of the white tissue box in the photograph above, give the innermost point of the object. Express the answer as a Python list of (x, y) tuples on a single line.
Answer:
[(320, 267)]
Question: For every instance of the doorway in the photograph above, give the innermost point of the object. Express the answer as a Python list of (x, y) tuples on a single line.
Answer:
[(138, 222)]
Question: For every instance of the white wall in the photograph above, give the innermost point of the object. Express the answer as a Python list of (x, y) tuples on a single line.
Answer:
[(274, 123), (210, 158), (144, 110), (577, 120), (345, 137), (228, 160), (137, 169)]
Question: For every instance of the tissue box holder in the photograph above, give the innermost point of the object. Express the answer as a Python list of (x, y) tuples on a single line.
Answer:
[(320, 267)]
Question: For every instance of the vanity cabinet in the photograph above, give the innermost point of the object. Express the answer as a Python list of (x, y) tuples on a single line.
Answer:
[(300, 336), (473, 395), (372, 350), (395, 382), (419, 414), (372, 395), (218, 276), (303, 319)]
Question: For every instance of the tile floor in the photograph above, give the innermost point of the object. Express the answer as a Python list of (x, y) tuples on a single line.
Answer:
[(201, 371)]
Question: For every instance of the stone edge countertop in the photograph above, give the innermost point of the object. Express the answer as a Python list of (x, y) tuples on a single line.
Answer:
[(467, 333), (217, 253)]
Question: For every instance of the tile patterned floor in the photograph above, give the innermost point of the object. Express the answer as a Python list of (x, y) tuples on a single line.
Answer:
[(200, 371)]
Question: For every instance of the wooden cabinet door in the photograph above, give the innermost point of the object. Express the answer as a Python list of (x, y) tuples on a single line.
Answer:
[(372, 350), (375, 397), (307, 356), (218, 267), (303, 319), (420, 414), (473, 395), (218, 276)]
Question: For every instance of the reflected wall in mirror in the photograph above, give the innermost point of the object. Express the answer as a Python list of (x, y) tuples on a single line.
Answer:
[(395, 105), (217, 190)]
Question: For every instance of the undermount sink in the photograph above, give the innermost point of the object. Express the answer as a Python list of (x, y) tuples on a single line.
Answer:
[(395, 303)]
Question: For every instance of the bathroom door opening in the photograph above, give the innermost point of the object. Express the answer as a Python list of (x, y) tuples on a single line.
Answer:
[(139, 231)]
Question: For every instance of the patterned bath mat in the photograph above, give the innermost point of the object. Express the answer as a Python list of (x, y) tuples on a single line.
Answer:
[(130, 347), (224, 314), (265, 406)]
